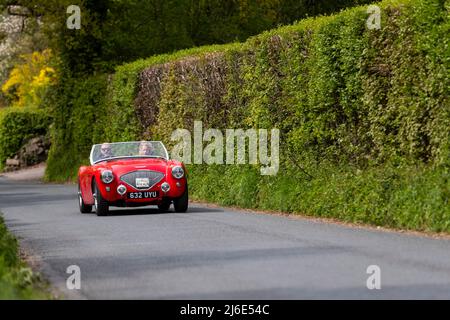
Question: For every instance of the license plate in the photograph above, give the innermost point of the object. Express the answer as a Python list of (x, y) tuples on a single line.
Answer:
[(142, 183), (143, 195)]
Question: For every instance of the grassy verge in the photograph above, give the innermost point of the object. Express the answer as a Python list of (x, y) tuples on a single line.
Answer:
[(410, 198), (17, 280)]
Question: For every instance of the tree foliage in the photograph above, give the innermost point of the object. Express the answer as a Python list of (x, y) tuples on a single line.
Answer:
[(117, 31)]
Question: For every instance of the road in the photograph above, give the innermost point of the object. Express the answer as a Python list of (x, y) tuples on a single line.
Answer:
[(216, 253)]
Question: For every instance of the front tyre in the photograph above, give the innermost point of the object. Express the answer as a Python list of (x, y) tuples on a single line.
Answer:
[(164, 206), (84, 208), (181, 204), (101, 206)]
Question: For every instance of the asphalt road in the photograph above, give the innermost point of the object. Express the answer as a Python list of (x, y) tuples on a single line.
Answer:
[(211, 253)]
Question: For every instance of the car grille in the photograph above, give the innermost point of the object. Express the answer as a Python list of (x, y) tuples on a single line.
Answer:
[(153, 176)]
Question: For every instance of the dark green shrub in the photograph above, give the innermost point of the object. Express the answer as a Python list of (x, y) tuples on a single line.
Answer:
[(17, 125), (80, 121)]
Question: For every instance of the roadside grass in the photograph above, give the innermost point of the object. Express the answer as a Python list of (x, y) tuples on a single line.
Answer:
[(409, 198), (17, 280)]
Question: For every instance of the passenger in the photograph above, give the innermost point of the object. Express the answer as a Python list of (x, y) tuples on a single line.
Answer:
[(146, 148), (105, 151)]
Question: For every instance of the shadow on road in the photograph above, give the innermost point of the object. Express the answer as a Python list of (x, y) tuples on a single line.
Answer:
[(155, 211), (24, 199)]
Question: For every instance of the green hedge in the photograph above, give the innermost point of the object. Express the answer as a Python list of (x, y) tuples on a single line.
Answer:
[(364, 114), (97, 109), (413, 197), (17, 125), (79, 122)]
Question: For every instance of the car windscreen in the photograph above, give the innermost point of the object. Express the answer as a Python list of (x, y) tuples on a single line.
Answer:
[(139, 149)]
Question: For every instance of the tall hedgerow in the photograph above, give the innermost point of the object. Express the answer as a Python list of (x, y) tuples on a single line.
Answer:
[(363, 114)]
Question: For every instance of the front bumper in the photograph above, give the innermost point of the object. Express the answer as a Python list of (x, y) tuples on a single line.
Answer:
[(110, 193)]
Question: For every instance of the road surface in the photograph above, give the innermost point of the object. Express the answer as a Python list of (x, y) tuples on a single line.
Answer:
[(216, 253)]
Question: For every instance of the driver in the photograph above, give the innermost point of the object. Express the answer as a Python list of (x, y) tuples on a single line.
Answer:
[(146, 148), (105, 151)]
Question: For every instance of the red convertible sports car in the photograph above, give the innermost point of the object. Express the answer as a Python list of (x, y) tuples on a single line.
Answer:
[(130, 174)]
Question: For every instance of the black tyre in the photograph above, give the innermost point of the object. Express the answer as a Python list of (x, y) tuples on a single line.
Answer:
[(164, 206), (181, 204), (101, 206), (84, 208)]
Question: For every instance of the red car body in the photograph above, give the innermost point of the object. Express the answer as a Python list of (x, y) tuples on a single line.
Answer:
[(126, 171)]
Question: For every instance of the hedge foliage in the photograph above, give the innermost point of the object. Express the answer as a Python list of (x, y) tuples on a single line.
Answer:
[(364, 114), (77, 124), (17, 125)]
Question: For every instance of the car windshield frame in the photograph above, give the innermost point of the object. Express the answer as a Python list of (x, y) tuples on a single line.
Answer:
[(165, 156)]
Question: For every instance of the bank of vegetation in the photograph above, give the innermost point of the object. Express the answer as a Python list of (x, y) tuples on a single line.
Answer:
[(17, 280), (364, 114)]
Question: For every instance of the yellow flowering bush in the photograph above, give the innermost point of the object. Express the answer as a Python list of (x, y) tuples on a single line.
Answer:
[(29, 80)]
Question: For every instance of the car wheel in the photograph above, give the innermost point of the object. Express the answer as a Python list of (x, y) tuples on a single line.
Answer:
[(181, 204), (164, 206), (101, 206), (84, 208)]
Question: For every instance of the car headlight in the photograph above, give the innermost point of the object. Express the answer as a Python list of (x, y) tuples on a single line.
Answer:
[(177, 172), (107, 176)]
